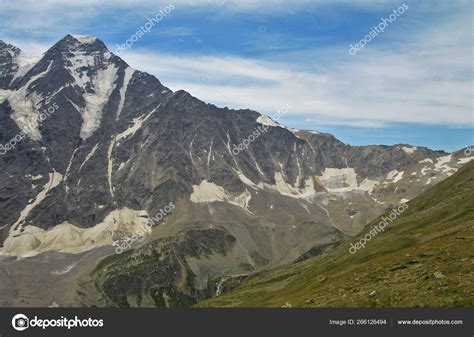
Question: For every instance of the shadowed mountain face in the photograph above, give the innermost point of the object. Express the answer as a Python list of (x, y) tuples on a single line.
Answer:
[(8, 65), (93, 151)]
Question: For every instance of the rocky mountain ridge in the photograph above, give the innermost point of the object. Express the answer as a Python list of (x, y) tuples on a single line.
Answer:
[(121, 146)]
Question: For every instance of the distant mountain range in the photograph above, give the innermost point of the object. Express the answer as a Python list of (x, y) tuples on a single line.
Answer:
[(93, 151)]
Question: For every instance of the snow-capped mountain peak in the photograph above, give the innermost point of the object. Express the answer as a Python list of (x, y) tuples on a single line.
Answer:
[(84, 38), (14, 64), (78, 63)]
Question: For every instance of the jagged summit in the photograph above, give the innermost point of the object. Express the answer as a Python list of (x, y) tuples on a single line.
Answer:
[(4, 44), (78, 44), (14, 64), (84, 38)]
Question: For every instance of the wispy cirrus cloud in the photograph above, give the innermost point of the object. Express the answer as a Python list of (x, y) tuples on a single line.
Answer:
[(426, 79)]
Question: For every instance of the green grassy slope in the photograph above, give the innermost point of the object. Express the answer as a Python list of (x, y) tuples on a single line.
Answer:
[(425, 258)]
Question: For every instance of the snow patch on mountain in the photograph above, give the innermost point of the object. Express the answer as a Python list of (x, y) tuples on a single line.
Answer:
[(26, 107), (37, 177), (89, 155), (344, 180), (426, 160), (265, 120), (339, 179), (395, 176), (137, 124), (110, 166), (408, 149), (96, 87), (368, 185), (63, 271), (4, 94), (243, 178), (84, 38), (441, 164), (68, 238), (430, 179), (281, 186), (207, 192), (465, 160), (123, 90), (242, 200), (54, 179), (25, 63), (284, 188)]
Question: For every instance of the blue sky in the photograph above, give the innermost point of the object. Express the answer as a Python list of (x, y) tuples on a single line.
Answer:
[(412, 83)]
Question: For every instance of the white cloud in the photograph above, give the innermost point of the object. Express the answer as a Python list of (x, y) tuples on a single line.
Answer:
[(242, 5), (48, 17), (28, 46), (413, 75), (426, 80)]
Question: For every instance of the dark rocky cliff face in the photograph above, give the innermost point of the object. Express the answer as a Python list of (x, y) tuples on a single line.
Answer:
[(8, 65)]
